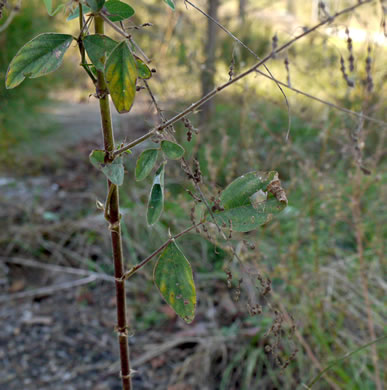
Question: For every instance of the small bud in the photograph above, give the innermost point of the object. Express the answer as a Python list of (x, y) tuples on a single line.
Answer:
[(99, 205)]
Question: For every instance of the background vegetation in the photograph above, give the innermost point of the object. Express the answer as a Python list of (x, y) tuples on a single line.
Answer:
[(325, 254)]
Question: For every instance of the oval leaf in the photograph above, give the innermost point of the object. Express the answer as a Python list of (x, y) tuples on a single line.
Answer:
[(145, 163), (95, 5), (121, 75), (114, 171), (173, 277), (75, 14), (42, 55), (172, 150), (98, 47), (142, 69), (117, 10), (250, 201), (156, 197)]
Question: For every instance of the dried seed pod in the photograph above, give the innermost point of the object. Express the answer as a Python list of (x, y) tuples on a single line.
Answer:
[(344, 73), (274, 45), (286, 62), (190, 129), (351, 58), (369, 80), (254, 309)]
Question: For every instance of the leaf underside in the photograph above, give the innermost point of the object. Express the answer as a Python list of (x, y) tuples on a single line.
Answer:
[(251, 201), (118, 11), (145, 163), (98, 47), (38, 57), (156, 197), (114, 171), (172, 150), (143, 70), (173, 277), (75, 13), (121, 76)]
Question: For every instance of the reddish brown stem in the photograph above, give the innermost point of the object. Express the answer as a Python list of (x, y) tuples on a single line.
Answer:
[(113, 217)]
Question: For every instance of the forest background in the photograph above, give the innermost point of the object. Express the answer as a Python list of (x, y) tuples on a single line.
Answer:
[(325, 254)]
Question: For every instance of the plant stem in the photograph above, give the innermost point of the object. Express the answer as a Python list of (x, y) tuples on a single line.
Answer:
[(115, 227)]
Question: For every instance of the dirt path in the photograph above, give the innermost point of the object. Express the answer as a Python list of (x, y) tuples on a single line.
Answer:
[(74, 122)]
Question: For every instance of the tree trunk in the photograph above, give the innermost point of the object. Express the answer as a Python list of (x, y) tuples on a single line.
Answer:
[(242, 10), (208, 73), (291, 7)]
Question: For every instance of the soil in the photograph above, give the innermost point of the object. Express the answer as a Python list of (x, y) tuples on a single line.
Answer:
[(57, 327)]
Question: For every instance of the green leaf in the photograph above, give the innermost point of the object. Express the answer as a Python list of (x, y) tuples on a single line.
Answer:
[(250, 201), (98, 47), (170, 3), (38, 57), (75, 13), (95, 5), (145, 163), (118, 11), (114, 171), (156, 197), (142, 69), (173, 277), (121, 75), (172, 150), (50, 11)]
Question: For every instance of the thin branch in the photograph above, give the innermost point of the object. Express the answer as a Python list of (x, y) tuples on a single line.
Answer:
[(134, 269), (228, 32), (15, 10), (216, 90), (158, 109), (114, 26), (346, 110), (50, 289), (125, 35), (56, 268)]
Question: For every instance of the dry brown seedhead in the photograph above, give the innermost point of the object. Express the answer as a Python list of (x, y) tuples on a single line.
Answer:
[(351, 58), (349, 82), (369, 80), (274, 45), (286, 62)]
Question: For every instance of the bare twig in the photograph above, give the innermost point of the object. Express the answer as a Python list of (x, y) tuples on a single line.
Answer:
[(49, 290), (134, 269), (14, 11), (330, 104), (56, 268), (125, 35)]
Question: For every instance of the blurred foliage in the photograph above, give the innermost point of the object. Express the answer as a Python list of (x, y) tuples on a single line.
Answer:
[(20, 117)]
